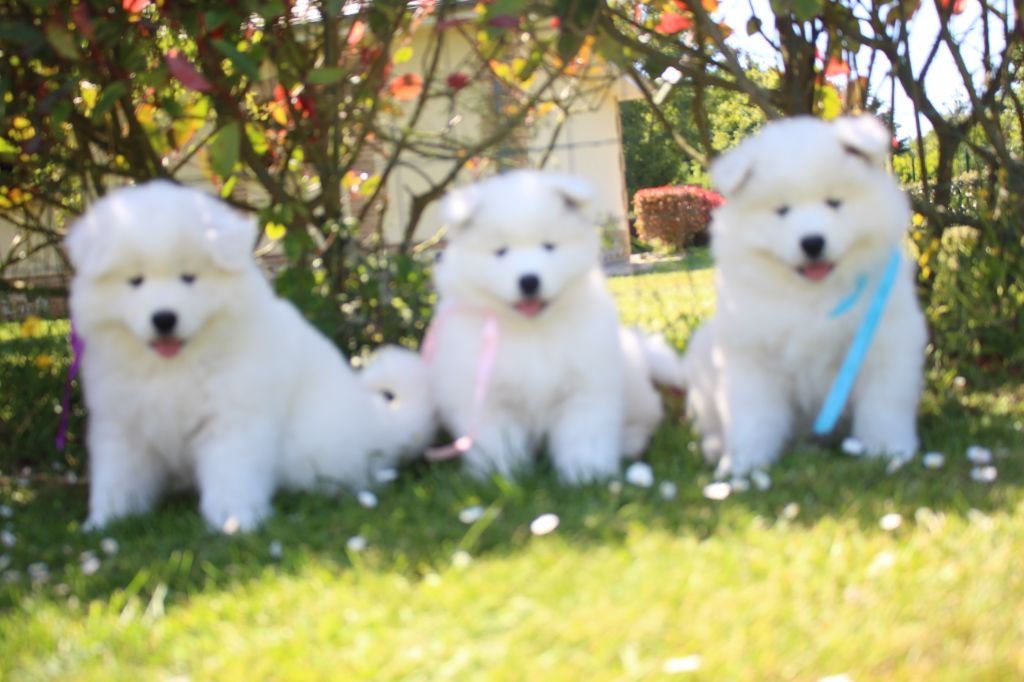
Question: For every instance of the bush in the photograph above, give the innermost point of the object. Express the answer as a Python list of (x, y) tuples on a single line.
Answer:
[(674, 215), (972, 278)]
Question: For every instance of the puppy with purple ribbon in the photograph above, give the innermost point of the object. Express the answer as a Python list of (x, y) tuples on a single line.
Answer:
[(817, 318), (196, 374)]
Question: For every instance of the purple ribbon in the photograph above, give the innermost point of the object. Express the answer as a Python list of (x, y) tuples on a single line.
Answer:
[(77, 348)]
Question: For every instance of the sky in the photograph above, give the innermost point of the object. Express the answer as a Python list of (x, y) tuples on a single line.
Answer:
[(943, 82)]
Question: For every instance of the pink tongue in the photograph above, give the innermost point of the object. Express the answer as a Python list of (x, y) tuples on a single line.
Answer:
[(167, 347), (530, 307), (816, 271)]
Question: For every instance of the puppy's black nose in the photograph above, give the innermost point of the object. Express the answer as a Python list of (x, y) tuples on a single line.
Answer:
[(813, 245), (529, 285), (164, 321)]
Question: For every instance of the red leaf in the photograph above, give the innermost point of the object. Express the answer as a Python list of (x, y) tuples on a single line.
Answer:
[(958, 5), (406, 87), (504, 21), (80, 18), (672, 22), (182, 69), (356, 33), (836, 67), (457, 81), (134, 6), (446, 24)]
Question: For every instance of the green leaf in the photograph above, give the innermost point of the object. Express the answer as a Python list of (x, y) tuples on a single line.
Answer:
[(257, 138), (829, 104), (224, 149), (108, 97), (61, 112), (7, 148), (326, 75), (753, 26), (242, 61), (23, 34), (228, 187), (369, 186), (62, 41), (807, 9)]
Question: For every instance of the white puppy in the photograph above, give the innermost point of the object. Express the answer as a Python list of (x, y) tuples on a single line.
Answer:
[(196, 374), (520, 286), (810, 222)]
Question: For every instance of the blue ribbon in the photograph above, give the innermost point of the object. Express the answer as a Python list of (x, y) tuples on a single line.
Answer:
[(843, 383)]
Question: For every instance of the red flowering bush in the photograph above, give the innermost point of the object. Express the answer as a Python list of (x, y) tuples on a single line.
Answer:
[(673, 214)]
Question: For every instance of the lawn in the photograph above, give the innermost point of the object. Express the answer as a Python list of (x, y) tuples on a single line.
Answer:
[(797, 582)]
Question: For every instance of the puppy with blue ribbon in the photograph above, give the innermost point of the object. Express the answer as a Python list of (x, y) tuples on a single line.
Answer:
[(817, 324)]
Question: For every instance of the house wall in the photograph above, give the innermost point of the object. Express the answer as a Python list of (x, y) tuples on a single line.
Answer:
[(589, 145)]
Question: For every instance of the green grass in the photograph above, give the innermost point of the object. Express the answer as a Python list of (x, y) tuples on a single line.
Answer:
[(797, 582)]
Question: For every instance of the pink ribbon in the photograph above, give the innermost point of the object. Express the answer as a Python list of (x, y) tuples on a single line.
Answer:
[(489, 337), (77, 348)]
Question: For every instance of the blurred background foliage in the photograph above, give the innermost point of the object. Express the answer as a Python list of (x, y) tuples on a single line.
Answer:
[(279, 102)]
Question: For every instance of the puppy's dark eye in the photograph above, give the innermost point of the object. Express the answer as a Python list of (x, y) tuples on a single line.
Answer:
[(834, 203), (136, 281), (782, 210), (501, 252), (549, 246), (188, 278)]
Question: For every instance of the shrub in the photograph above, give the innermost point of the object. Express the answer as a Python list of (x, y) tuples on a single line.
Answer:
[(675, 214)]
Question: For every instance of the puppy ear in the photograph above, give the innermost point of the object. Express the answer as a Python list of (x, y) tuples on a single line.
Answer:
[(576, 192), (458, 208), (229, 236), (864, 136), (87, 248), (733, 169)]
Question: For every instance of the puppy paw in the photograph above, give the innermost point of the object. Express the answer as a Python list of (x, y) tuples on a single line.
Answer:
[(94, 523), (234, 518), (582, 471)]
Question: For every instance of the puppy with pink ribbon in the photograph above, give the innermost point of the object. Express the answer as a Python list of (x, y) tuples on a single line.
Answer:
[(525, 353)]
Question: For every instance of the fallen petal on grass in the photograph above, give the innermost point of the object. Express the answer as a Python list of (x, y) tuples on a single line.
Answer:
[(977, 454), (471, 514), (640, 474), (544, 524), (891, 522), (91, 565), (853, 447), (667, 490), (461, 559), (110, 546), (984, 474), (718, 491), (682, 664)]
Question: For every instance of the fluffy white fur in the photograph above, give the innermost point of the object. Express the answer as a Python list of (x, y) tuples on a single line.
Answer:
[(565, 378), (759, 370), (240, 395)]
